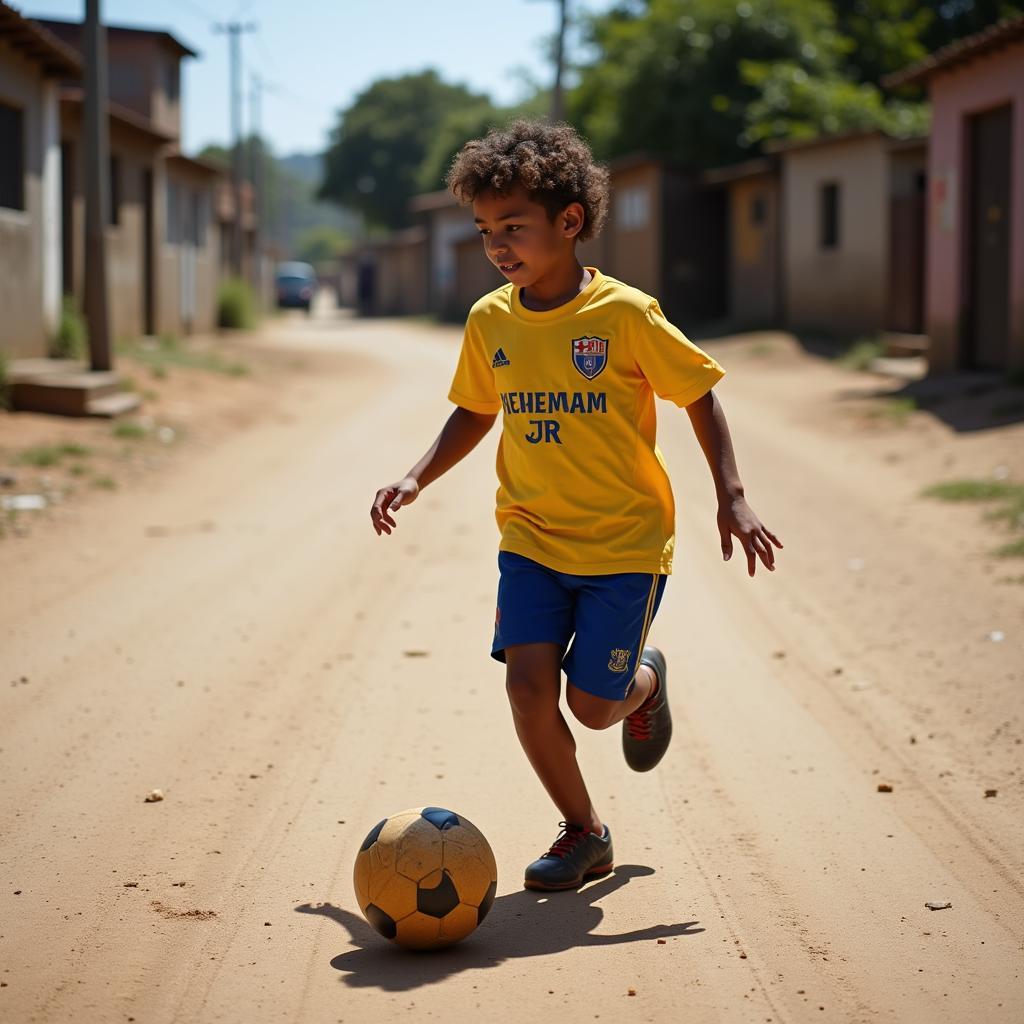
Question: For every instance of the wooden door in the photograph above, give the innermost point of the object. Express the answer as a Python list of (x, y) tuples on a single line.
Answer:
[(988, 240)]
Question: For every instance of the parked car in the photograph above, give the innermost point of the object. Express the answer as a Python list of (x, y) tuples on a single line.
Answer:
[(296, 286)]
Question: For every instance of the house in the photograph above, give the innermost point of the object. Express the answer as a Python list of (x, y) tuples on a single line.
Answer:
[(447, 223), (664, 236), (164, 237), (975, 269), (754, 262), (32, 63), (852, 226)]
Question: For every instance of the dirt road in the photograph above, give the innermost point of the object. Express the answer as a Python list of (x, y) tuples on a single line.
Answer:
[(236, 635)]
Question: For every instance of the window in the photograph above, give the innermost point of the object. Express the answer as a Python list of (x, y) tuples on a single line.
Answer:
[(12, 157), (632, 208), (114, 213), (758, 209), (830, 216), (172, 79)]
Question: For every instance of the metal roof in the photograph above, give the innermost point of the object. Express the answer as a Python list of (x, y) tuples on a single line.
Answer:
[(995, 37)]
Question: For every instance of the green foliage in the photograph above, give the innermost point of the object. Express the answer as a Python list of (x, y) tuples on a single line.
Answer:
[(795, 105), (128, 430), (707, 82), (862, 353), (236, 305), (663, 78), (71, 339), (44, 456), (376, 151), (975, 490), (321, 244)]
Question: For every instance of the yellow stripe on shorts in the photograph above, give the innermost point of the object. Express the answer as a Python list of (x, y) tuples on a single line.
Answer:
[(648, 615)]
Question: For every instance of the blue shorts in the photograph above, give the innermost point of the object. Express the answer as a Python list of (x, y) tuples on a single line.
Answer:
[(605, 617)]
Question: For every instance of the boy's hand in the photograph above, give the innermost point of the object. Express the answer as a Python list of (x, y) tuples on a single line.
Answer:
[(737, 517), (390, 499)]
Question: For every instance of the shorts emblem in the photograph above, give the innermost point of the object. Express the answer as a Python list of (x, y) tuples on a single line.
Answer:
[(619, 660)]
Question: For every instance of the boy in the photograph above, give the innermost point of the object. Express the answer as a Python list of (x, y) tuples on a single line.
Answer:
[(573, 359)]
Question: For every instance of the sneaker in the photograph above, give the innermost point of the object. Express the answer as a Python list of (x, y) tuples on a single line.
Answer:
[(646, 732), (577, 854)]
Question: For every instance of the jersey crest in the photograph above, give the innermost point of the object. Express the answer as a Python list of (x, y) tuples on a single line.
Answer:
[(589, 355)]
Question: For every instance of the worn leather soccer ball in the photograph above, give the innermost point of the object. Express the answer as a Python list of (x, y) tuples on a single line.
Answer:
[(425, 877)]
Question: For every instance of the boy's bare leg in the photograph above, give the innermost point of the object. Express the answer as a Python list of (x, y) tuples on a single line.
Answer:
[(533, 682), (601, 713)]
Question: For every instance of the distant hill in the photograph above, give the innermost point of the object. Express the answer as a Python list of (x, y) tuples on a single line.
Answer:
[(307, 166)]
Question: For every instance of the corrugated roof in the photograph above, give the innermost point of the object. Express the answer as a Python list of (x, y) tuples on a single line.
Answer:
[(995, 37), (57, 59), (65, 26)]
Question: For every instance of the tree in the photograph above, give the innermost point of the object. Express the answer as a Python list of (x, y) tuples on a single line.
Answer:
[(664, 75), (705, 82), (321, 244), (377, 149)]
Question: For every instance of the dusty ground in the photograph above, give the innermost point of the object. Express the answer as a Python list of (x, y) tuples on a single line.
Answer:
[(226, 626)]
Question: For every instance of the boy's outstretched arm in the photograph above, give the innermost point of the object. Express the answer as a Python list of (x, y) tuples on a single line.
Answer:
[(735, 516), (460, 435)]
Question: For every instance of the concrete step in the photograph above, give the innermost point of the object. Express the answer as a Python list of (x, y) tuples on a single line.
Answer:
[(113, 405), (63, 394)]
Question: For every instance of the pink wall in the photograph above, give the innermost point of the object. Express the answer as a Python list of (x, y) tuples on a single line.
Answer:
[(990, 81)]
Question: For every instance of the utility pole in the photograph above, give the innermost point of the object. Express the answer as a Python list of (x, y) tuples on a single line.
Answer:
[(97, 189), (234, 30), (257, 169), (557, 101)]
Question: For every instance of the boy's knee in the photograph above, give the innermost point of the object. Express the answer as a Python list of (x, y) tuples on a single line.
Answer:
[(529, 697), (593, 712)]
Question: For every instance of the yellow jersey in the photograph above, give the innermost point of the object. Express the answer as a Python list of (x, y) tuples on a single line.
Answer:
[(582, 486)]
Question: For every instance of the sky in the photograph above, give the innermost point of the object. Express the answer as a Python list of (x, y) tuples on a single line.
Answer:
[(316, 56)]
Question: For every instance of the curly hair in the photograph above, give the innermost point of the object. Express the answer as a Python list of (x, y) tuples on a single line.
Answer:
[(550, 161)]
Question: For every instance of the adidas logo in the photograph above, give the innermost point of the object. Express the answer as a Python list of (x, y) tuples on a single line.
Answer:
[(500, 359)]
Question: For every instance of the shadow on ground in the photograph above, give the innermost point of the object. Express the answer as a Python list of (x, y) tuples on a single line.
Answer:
[(520, 924)]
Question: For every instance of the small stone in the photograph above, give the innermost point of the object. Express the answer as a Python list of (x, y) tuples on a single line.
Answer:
[(661, 942), (131, 885), (884, 787), (631, 992), (266, 924), (990, 793), (154, 796)]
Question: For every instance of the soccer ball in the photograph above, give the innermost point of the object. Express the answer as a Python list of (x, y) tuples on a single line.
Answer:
[(425, 877)]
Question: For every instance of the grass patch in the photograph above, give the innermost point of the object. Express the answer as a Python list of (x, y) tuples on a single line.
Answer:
[(45, 455), (975, 490), (895, 410), (861, 353), (1008, 499), (128, 431), (168, 353), (105, 483), (1015, 549)]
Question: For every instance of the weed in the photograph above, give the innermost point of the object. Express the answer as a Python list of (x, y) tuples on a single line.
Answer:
[(896, 410), (71, 338), (78, 469), (41, 457), (236, 305), (105, 483), (1009, 510), (974, 490), (861, 353), (129, 431), (1014, 549)]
